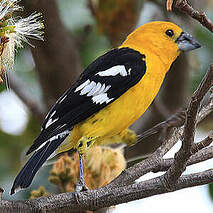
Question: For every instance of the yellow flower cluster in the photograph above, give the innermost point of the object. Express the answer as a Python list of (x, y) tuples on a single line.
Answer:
[(102, 165), (41, 192)]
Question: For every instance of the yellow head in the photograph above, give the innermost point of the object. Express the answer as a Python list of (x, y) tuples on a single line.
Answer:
[(164, 39)]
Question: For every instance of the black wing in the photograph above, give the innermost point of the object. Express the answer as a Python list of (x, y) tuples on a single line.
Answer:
[(101, 83)]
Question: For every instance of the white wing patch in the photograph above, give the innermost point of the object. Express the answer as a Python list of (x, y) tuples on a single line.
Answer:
[(82, 86), (62, 99), (113, 71), (50, 121), (88, 88), (97, 91), (101, 98), (60, 135)]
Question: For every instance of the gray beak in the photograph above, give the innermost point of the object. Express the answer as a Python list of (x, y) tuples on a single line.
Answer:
[(186, 42)]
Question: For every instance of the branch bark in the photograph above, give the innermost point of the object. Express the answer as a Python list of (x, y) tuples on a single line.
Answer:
[(181, 158), (104, 197), (201, 17)]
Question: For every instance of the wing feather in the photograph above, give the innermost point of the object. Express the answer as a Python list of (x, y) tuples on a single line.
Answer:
[(101, 83)]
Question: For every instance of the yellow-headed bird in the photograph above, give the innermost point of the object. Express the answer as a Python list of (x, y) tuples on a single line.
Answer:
[(111, 93)]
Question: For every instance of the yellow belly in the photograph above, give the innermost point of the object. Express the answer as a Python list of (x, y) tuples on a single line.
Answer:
[(120, 114)]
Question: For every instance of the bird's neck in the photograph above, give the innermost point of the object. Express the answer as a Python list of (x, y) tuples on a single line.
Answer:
[(166, 56)]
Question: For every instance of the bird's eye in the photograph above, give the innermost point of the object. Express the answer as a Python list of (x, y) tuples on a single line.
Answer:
[(80, 144), (170, 33)]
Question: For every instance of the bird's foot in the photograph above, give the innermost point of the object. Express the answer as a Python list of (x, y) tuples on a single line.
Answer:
[(129, 137), (81, 186)]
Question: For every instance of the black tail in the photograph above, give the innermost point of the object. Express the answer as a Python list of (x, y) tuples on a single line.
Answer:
[(26, 175)]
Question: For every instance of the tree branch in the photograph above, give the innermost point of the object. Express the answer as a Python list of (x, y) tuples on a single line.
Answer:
[(176, 120), (182, 156), (202, 144), (103, 197), (200, 156), (184, 7)]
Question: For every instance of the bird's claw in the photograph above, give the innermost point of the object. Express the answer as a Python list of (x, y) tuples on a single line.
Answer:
[(81, 187)]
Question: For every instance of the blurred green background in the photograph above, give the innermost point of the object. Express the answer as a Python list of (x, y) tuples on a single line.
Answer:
[(93, 27)]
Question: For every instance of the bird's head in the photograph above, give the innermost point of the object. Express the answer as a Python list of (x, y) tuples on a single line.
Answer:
[(164, 39)]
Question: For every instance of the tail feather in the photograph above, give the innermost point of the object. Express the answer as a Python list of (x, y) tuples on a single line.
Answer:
[(45, 136), (36, 144), (26, 175)]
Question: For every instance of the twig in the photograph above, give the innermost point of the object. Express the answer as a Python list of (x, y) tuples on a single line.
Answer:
[(182, 156), (200, 156), (202, 144), (169, 5), (176, 120), (206, 109), (184, 7)]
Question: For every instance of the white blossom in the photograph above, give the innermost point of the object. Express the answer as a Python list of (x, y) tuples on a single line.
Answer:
[(7, 7), (16, 30), (30, 27)]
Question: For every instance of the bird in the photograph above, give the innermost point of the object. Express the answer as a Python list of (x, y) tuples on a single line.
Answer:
[(109, 96)]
